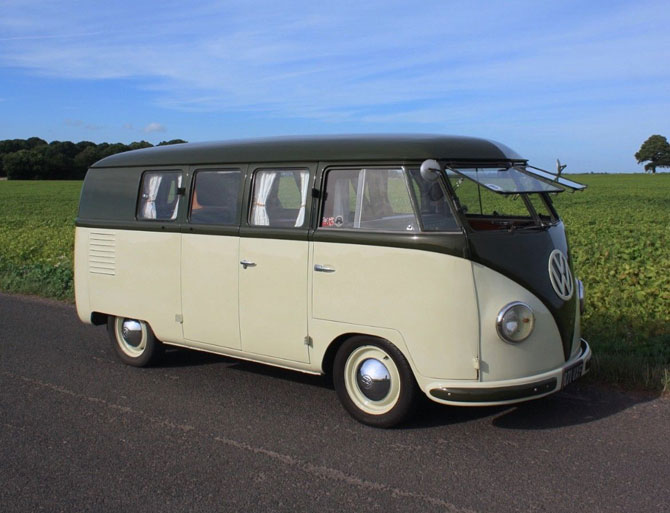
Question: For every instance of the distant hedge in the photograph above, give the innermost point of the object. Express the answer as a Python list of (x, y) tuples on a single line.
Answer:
[(35, 159)]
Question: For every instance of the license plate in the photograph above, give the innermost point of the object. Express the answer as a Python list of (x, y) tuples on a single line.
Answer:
[(572, 373)]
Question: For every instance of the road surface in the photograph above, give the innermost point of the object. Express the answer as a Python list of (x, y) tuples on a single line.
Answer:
[(80, 431)]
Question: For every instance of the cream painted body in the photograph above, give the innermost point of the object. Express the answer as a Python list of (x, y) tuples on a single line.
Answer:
[(273, 298), (209, 281), (132, 274), (503, 364), (439, 310), (500, 360), (428, 298), (193, 292)]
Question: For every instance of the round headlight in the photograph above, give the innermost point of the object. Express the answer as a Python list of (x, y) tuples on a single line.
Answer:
[(515, 322)]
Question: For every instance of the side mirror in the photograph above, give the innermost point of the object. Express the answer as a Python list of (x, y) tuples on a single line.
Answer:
[(430, 170)]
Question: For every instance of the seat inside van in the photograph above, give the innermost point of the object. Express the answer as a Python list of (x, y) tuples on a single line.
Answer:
[(215, 200)]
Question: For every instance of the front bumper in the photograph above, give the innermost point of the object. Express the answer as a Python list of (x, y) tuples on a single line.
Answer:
[(513, 390)]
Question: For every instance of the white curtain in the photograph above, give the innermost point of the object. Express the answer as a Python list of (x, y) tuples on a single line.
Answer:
[(175, 207), (260, 214), (304, 184), (149, 195)]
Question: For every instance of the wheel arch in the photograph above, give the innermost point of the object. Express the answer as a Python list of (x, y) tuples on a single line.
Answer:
[(329, 356), (383, 395), (99, 318)]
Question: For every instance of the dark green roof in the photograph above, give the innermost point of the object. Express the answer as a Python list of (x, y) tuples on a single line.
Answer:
[(316, 148)]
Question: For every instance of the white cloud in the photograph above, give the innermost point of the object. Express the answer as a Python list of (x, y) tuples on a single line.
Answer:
[(154, 127), (377, 61)]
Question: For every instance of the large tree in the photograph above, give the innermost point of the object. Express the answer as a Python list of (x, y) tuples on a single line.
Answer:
[(655, 151)]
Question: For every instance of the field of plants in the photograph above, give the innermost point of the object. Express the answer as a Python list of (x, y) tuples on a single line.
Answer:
[(619, 230), (37, 236)]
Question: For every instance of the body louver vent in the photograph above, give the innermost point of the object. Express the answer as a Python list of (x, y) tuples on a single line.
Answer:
[(102, 253)]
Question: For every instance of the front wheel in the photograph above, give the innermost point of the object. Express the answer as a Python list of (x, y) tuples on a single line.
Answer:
[(374, 382), (133, 341)]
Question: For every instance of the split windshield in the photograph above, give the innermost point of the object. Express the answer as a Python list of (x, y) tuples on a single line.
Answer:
[(494, 198), (506, 180)]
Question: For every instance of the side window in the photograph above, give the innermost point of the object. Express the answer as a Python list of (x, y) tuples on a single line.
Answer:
[(339, 206), (216, 197), (159, 195), (542, 208), (368, 199), (431, 201), (279, 198)]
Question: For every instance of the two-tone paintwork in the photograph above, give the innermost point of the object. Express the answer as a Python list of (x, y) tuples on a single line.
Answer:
[(435, 296)]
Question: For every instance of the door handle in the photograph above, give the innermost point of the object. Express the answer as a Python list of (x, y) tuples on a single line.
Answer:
[(247, 263), (323, 269)]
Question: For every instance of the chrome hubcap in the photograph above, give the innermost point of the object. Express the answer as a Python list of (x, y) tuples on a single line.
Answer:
[(131, 330), (131, 336), (374, 379)]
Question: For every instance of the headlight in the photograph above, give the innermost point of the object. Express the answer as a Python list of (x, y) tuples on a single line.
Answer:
[(515, 322)]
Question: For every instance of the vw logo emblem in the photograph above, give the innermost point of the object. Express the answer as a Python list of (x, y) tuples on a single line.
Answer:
[(366, 381), (560, 275)]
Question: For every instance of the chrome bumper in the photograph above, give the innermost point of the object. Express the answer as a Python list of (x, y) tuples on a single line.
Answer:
[(517, 390)]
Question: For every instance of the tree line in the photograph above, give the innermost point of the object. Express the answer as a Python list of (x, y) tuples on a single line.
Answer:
[(35, 159)]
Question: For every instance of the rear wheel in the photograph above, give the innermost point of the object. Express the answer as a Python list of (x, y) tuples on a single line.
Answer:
[(133, 341), (374, 382)]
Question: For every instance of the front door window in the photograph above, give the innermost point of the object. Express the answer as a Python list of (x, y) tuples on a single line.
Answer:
[(385, 199)]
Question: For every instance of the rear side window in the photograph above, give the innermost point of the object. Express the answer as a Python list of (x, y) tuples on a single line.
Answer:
[(216, 197), (279, 198), (159, 195)]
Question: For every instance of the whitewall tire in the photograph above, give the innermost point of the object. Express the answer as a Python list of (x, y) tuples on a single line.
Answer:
[(133, 341), (374, 381)]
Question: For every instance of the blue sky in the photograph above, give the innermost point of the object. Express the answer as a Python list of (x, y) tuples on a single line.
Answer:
[(584, 81)]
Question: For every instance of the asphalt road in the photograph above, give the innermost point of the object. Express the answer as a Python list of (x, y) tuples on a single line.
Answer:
[(80, 431)]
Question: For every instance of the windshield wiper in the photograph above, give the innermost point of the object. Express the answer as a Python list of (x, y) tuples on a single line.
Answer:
[(526, 227)]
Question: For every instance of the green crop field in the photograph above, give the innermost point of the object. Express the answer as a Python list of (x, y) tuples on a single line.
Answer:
[(37, 236), (619, 231)]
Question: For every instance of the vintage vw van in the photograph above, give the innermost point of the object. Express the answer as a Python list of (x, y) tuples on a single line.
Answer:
[(398, 264)]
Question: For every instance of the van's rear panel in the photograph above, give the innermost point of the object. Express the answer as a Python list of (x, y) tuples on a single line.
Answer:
[(130, 273)]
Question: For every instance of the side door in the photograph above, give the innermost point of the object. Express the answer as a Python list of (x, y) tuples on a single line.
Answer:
[(273, 262), (209, 256), (371, 267)]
